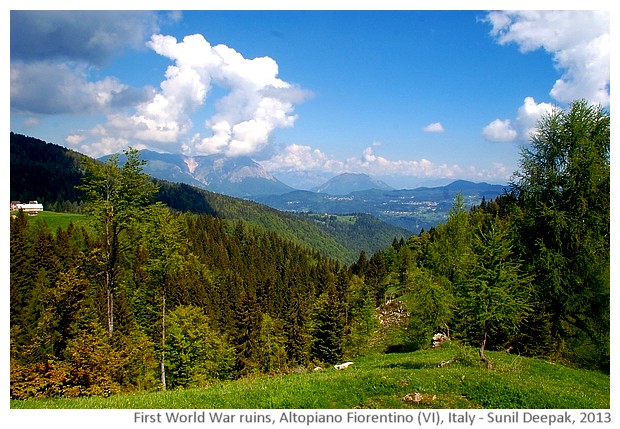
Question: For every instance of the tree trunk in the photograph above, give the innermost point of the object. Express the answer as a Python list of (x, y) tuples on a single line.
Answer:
[(110, 302), (163, 342), (485, 359)]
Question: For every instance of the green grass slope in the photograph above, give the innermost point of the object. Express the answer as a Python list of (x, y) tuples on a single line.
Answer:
[(60, 220), (385, 381)]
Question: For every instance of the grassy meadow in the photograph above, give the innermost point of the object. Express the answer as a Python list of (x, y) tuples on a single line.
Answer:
[(384, 381), (56, 219)]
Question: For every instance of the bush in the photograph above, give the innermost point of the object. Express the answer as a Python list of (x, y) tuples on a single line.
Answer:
[(90, 367)]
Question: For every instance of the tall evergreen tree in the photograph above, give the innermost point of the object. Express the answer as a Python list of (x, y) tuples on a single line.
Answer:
[(246, 333), (20, 266), (327, 327), (563, 187)]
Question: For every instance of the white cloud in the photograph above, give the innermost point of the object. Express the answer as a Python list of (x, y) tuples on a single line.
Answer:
[(74, 139), (435, 127), (530, 114), (303, 159), (257, 102), (579, 42), (499, 131)]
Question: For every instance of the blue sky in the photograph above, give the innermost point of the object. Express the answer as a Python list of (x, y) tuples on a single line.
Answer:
[(412, 97)]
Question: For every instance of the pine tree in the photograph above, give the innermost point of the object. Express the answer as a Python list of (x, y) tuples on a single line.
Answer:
[(246, 334), (296, 328), (21, 267)]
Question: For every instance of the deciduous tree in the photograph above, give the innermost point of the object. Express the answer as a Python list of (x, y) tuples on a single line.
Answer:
[(115, 196)]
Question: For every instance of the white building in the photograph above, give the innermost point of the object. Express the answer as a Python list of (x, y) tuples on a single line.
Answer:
[(32, 208)]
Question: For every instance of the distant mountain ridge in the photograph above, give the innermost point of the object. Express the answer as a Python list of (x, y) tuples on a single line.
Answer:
[(348, 193), (238, 177), (346, 183), (48, 173)]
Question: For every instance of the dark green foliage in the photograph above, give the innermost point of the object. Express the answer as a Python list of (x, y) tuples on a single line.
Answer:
[(44, 172), (564, 194), (327, 328), (357, 232), (246, 332), (183, 198)]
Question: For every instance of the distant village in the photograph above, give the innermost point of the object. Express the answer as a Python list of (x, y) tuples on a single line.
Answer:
[(31, 208)]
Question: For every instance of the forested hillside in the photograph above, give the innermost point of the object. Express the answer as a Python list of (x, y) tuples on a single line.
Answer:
[(153, 298), (44, 172), (50, 174)]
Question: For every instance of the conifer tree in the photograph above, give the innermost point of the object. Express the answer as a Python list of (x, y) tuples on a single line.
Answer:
[(296, 328), (246, 334), (20, 267), (431, 309), (327, 327), (497, 297), (563, 188)]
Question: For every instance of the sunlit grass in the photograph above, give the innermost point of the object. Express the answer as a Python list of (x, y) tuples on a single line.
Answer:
[(386, 381)]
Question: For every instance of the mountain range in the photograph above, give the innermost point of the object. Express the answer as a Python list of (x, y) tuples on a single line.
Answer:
[(347, 193), (205, 184), (238, 177), (346, 183)]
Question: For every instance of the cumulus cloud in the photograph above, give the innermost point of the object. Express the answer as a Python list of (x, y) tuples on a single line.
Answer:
[(499, 131), (579, 42), (256, 104), (303, 159), (528, 116), (93, 37), (48, 87), (435, 127)]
